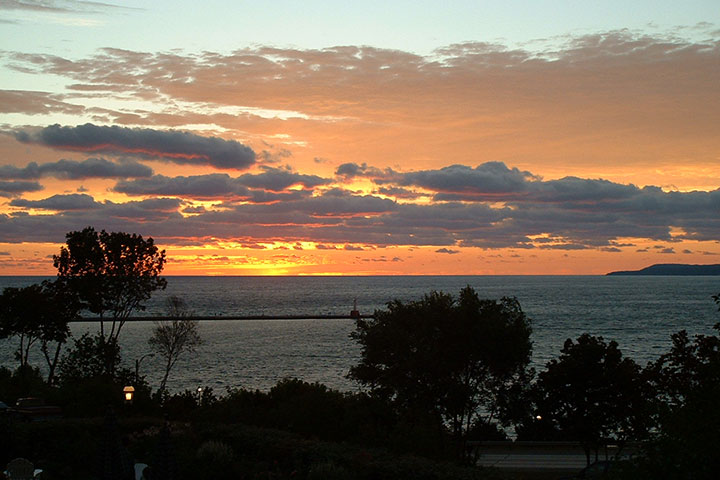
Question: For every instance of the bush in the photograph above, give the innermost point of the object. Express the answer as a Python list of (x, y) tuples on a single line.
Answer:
[(215, 460), (25, 381)]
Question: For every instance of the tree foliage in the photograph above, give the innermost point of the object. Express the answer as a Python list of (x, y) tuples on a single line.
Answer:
[(112, 274), (35, 314), (592, 393), (174, 337), (451, 357), (87, 358), (686, 383), (689, 368)]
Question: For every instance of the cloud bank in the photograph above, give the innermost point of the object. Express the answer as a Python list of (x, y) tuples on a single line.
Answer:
[(145, 143), (74, 170), (488, 206)]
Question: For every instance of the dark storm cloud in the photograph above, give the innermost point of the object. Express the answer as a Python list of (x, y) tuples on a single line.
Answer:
[(74, 170), (13, 189), (173, 146)]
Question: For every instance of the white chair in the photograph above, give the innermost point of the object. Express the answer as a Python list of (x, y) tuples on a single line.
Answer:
[(139, 467), (21, 469)]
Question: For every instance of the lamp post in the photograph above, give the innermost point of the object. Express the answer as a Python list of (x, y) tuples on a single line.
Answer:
[(137, 366)]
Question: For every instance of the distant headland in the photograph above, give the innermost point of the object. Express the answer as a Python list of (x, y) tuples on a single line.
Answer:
[(673, 269)]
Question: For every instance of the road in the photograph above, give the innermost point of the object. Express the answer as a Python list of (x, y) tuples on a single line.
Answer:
[(568, 462)]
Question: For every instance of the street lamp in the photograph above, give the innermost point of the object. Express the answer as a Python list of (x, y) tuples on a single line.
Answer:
[(129, 392), (137, 366)]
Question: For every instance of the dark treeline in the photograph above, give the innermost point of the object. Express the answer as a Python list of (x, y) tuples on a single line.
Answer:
[(435, 374)]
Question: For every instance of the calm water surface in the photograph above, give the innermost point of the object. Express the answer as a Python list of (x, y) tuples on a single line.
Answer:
[(640, 313)]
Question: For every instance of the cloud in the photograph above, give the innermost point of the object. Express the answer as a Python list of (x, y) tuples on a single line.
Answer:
[(399, 192), (497, 207), (214, 185), (479, 100), (12, 189), (351, 170), (194, 209), (34, 5), (173, 146), (36, 103), (447, 250), (73, 170), (277, 179), (270, 186), (73, 201), (483, 182), (58, 6)]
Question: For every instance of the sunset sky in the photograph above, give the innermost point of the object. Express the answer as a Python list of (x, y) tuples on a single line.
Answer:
[(360, 138)]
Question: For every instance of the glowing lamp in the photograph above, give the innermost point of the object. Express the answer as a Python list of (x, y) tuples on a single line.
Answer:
[(129, 393)]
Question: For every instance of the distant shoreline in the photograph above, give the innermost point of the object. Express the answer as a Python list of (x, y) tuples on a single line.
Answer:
[(673, 269)]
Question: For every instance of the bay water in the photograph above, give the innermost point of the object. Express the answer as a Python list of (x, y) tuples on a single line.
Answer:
[(640, 313)]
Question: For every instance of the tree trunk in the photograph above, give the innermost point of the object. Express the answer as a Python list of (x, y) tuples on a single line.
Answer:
[(586, 449), (108, 352), (168, 366), (52, 364)]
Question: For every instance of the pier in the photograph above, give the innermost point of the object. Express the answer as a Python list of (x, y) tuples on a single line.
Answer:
[(352, 316)]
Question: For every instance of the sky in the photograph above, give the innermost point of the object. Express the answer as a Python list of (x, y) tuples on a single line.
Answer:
[(364, 138)]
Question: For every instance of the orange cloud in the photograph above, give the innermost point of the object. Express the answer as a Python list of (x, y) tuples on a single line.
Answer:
[(594, 150)]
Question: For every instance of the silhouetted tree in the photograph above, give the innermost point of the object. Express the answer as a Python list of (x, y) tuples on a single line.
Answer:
[(688, 369), (63, 307), (87, 358), (451, 358), (175, 337), (21, 313), (38, 313), (112, 274), (687, 385), (592, 393)]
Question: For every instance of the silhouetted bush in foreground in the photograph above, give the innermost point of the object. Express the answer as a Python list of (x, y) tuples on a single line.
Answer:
[(70, 448)]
